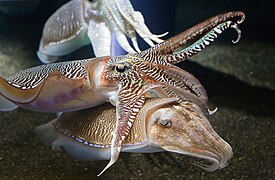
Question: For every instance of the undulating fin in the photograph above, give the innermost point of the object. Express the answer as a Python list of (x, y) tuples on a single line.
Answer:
[(16, 93), (24, 86), (165, 52), (44, 58), (6, 105)]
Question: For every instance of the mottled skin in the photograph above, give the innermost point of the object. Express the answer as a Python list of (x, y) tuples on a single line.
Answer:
[(82, 22), (121, 80), (161, 125)]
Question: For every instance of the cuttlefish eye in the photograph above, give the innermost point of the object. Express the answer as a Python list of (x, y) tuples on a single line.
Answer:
[(92, 1), (164, 122), (121, 68)]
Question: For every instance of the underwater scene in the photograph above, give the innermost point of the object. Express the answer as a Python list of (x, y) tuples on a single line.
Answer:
[(137, 89)]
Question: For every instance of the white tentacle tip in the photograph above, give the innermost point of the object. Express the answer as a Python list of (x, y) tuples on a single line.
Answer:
[(237, 40), (162, 35), (241, 20), (212, 111), (239, 32)]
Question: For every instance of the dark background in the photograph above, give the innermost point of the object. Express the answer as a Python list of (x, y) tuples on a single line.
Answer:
[(238, 78)]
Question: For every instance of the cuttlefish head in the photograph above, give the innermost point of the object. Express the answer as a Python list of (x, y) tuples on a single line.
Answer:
[(182, 128), (161, 125)]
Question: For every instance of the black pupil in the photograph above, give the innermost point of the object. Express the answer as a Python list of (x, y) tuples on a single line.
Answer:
[(120, 69), (164, 122)]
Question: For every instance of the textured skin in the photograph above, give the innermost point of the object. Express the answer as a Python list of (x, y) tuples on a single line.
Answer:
[(167, 51), (161, 124), (65, 24), (68, 28), (122, 80)]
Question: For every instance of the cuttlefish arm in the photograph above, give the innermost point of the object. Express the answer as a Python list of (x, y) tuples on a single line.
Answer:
[(65, 31), (167, 51), (136, 19), (126, 113), (100, 36)]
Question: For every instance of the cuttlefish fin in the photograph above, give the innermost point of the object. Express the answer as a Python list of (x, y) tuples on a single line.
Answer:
[(19, 93), (45, 58), (127, 108), (6, 105), (16, 93)]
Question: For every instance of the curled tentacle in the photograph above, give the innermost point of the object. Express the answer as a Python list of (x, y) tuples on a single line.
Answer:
[(199, 45), (156, 53)]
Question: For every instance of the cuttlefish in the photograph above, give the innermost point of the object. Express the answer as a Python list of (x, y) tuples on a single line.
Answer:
[(121, 80), (82, 22), (162, 124)]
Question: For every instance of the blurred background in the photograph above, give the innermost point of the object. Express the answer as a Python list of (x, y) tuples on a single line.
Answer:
[(239, 80)]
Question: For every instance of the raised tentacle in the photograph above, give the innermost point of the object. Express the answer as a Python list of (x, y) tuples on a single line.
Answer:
[(156, 53), (199, 45)]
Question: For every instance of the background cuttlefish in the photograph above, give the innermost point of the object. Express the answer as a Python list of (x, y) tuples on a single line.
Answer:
[(161, 125), (81, 22), (122, 80)]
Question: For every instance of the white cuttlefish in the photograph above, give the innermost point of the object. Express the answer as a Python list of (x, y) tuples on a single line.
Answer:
[(82, 22)]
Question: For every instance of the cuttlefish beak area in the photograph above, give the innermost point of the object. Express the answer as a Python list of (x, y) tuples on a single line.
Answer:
[(185, 130)]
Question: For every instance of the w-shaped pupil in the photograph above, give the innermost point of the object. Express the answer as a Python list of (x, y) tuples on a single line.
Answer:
[(121, 69)]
